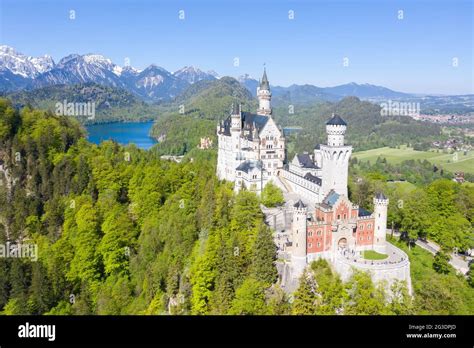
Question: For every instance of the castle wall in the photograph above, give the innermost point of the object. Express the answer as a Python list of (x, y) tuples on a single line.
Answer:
[(388, 273), (307, 189)]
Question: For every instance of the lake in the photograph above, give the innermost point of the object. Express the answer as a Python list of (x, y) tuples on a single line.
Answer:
[(123, 133)]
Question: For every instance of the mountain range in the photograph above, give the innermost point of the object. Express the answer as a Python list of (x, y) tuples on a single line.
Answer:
[(153, 84)]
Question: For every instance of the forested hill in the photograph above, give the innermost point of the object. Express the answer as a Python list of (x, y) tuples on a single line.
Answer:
[(111, 104), (366, 129), (195, 113), (119, 231)]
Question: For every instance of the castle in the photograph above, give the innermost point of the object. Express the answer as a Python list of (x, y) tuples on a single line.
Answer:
[(318, 220)]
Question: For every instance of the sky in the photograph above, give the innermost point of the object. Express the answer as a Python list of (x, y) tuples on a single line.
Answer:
[(417, 46)]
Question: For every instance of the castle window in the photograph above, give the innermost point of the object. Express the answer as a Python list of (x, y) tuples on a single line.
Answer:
[(361, 238), (319, 244), (319, 232), (368, 237), (378, 227), (379, 214), (339, 217), (369, 226), (310, 245), (344, 216), (296, 244), (361, 227)]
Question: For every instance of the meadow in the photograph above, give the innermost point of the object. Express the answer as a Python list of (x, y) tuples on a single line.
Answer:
[(453, 162)]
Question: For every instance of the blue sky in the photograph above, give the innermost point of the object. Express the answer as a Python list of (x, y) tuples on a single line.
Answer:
[(413, 54)]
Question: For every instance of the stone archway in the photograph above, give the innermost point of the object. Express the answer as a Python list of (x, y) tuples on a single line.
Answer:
[(342, 243)]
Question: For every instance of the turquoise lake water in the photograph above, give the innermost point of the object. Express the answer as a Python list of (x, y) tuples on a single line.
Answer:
[(123, 133)]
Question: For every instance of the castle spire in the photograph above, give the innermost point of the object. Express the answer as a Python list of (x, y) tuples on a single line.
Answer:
[(264, 96), (264, 84)]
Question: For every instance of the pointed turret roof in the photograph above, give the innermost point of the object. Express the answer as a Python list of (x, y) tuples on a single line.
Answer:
[(235, 108), (380, 195), (264, 84), (299, 204), (336, 120)]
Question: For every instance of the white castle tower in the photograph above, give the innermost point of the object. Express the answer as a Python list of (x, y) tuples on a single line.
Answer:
[(380, 225), (335, 158), (298, 254), (264, 96)]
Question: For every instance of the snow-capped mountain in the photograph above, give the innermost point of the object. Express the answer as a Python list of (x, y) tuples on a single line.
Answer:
[(19, 64), (75, 69), (193, 75), (154, 83)]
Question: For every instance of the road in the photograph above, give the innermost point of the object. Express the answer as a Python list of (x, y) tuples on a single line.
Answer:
[(456, 261)]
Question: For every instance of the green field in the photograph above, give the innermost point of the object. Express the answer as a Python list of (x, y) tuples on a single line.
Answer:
[(448, 161), (403, 186)]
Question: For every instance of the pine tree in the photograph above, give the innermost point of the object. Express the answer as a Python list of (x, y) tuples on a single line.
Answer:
[(264, 256), (304, 302)]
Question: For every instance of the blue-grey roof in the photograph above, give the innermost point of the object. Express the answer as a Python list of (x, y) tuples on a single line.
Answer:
[(312, 178), (363, 212), (306, 161), (249, 122), (336, 120), (248, 165), (331, 198), (380, 195)]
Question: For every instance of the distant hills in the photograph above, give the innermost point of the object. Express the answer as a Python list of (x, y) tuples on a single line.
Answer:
[(155, 84), (111, 103)]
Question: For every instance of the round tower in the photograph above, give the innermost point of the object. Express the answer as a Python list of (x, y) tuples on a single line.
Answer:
[(336, 129), (335, 158), (264, 96), (380, 226), (299, 238)]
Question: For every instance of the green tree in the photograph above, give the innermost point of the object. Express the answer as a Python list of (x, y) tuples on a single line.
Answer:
[(304, 298), (249, 298), (329, 288), (272, 195), (401, 303), (364, 298), (264, 256), (441, 263)]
